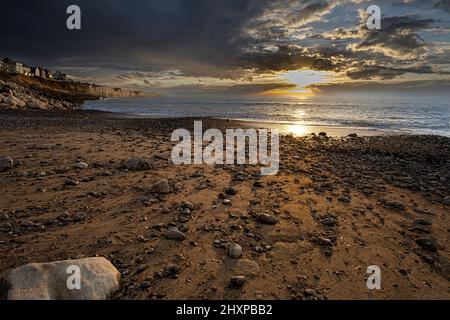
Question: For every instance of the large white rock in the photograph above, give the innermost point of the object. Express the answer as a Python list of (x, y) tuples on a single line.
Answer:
[(99, 279)]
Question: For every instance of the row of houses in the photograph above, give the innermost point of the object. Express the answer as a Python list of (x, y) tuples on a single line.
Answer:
[(11, 66)]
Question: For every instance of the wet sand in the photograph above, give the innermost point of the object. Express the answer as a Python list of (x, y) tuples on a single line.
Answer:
[(339, 205)]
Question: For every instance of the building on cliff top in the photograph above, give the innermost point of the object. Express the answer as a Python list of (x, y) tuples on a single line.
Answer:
[(12, 66)]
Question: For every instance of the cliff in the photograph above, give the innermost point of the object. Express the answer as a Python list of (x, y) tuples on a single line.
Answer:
[(22, 92)]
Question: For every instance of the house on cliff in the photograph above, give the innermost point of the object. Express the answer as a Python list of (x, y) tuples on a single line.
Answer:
[(36, 71), (17, 67)]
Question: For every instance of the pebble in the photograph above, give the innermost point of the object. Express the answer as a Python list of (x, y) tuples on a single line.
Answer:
[(6, 164), (267, 219), (175, 234), (158, 226), (71, 182), (4, 216), (329, 222), (27, 224), (135, 164), (427, 244), (324, 241), (345, 198), (222, 196), (171, 270), (237, 282), (141, 238), (422, 222), (162, 186), (234, 251), (188, 205), (81, 216), (145, 285), (447, 201), (259, 249), (81, 165), (396, 205), (310, 292), (231, 191)]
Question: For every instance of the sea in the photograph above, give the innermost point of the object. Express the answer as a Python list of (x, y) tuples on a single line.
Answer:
[(378, 115)]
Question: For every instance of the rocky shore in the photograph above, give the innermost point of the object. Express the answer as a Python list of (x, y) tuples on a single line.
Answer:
[(80, 184), (22, 92)]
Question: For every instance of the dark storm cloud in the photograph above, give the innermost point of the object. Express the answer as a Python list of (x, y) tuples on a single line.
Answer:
[(397, 37), (285, 58), (140, 34)]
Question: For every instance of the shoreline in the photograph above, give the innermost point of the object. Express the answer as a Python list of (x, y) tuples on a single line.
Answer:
[(285, 129)]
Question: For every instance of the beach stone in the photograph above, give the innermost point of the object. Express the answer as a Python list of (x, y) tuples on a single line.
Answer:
[(234, 251), (135, 164), (81, 165), (237, 282), (188, 205), (324, 241), (80, 216), (395, 205), (4, 216), (231, 191), (427, 244), (175, 234), (171, 271), (48, 281), (27, 224), (267, 219), (329, 222), (162, 186), (310, 292), (71, 182), (6, 163), (422, 222), (141, 238), (447, 201), (243, 267)]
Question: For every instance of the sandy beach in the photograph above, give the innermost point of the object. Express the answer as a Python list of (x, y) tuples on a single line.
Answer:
[(338, 204)]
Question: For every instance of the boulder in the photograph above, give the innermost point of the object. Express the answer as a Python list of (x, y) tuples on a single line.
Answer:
[(98, 280)]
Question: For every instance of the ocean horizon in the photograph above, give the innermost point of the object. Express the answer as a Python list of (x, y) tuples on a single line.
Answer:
[(392, 115)]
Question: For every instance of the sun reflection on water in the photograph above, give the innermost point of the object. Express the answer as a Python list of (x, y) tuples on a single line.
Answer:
[(297, 130)]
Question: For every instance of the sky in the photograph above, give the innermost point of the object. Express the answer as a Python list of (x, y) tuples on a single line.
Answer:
[(238, 47)]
